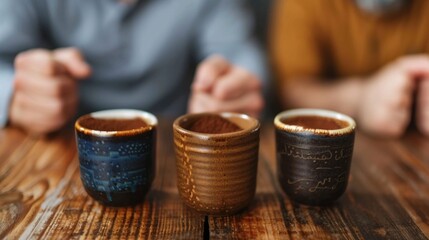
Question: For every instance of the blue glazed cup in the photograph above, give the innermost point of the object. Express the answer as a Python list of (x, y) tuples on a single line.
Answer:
[(117, 167)]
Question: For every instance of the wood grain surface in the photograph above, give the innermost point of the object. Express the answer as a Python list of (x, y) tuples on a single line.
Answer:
[(42, 197)]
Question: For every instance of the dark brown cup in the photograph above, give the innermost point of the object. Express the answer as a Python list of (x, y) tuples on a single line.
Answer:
[(313, 163), (117, 167), (216, 173)]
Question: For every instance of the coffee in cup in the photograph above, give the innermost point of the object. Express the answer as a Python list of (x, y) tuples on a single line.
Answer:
[(216, 160), (117, 152), (314, 151)]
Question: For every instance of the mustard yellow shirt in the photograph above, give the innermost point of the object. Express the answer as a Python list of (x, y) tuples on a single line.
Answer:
[(335, 39)]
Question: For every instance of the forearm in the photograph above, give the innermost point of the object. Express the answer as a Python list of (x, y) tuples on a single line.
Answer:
[(341, 96), (19, 31)]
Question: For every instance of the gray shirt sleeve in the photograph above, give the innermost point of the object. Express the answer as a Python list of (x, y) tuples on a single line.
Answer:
[(226, 29), (6, 76), (19, 31), (209, 27)]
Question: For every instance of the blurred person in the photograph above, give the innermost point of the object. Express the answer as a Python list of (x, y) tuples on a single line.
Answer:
[(366, 58), (60, 59)]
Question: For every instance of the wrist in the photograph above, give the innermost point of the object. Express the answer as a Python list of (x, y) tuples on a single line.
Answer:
[(354, 92)]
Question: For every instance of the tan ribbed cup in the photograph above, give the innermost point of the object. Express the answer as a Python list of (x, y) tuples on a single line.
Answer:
[(216, 173)]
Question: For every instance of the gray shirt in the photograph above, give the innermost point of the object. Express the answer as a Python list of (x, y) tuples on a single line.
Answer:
[(143, 55)]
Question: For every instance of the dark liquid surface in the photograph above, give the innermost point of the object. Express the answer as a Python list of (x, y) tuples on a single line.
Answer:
[(316, 122), (213, 124), (112, 124)]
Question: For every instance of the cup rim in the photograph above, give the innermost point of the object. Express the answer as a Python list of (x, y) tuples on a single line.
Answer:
[(314, 112), (149, 118), (255, 127)]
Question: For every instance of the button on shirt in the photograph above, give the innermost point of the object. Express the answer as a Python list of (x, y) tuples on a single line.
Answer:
[(143, 53)]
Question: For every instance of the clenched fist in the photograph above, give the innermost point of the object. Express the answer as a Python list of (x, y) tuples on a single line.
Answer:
[(422, 104), (222, 86), (45, 89), (386, 98)]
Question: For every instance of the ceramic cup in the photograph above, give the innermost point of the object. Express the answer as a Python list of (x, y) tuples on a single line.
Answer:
[(314, 151), (117, 159), (216, 173)]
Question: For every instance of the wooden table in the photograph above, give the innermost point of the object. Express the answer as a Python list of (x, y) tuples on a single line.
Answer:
[(41, 196)]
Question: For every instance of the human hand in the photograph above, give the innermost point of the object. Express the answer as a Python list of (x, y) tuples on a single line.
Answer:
[(386, 98), (221, 86), (45, 89), (422, 106)]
